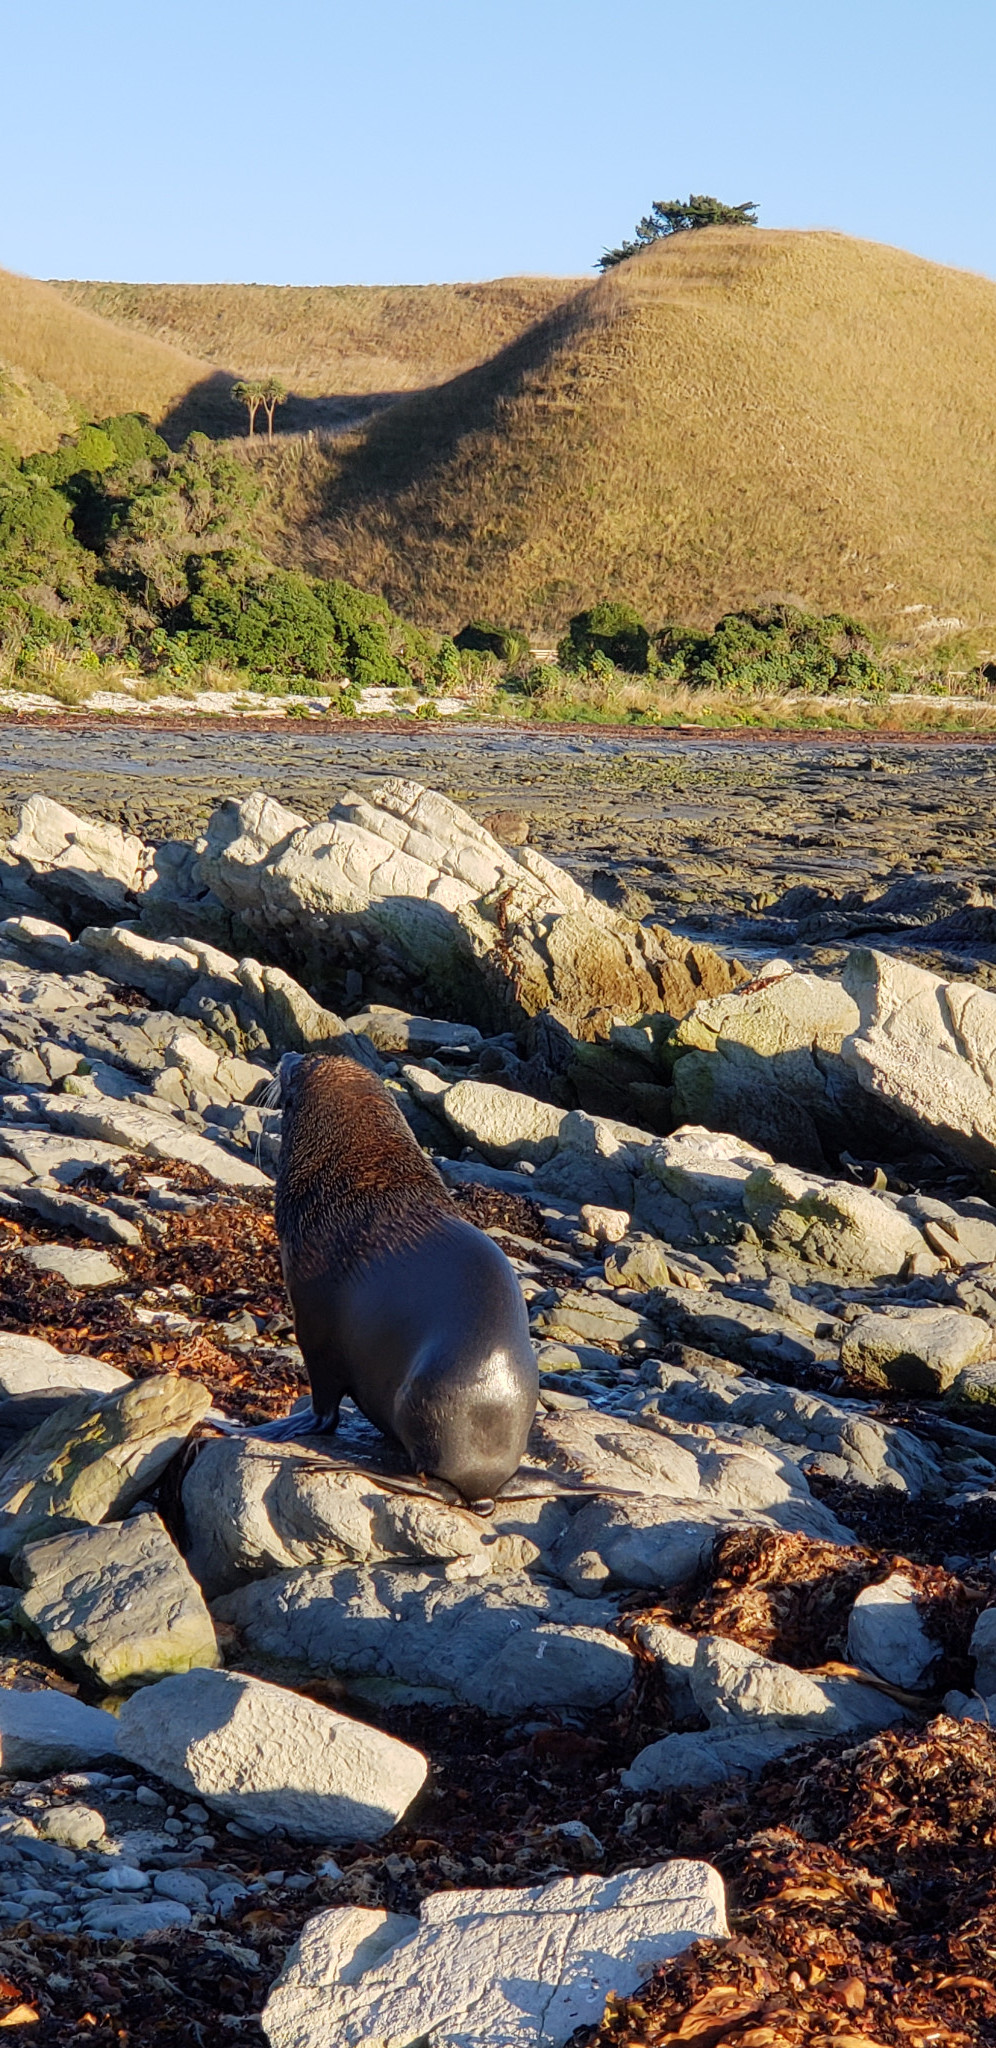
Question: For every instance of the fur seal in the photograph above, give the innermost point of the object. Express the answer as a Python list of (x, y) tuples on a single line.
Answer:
[(397, 1300)]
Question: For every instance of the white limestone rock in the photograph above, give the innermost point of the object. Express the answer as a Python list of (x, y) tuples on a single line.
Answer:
[(886, 1635), (43, 1732), (695, 1761), (766, 1063), (830, 1223), (489, 1969), (733, 1684), (926, 1048), (914, 1350), (253, 1508), (154, 1135), (833, 1437), (503, 1126), (94, 1456), (28, 1365), (504, 1645), (75, 1264), (78, 857), (260, 1754), (116, 1602)]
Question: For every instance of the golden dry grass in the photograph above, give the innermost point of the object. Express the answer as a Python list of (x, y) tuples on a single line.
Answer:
[(348, 340), (68, 361), (33, 413), (734, 415)]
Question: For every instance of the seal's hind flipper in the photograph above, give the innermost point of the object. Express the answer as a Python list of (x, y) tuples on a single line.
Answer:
[(302, 1422)]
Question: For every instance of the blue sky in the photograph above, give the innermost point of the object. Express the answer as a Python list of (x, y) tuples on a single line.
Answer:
[(382, 142)]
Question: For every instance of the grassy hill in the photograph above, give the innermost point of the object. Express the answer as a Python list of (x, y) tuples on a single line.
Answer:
[(734, 415), (331, 340), (60, 363)]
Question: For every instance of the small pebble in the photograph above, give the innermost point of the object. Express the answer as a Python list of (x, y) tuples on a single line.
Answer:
[(122, 1877)]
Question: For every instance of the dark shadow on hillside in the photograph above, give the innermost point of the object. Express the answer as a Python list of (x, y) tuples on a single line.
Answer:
[(422, 430), (208, 408)]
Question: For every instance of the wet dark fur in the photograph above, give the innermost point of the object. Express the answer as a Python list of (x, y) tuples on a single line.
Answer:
[(397, 1300), (352, 1183)]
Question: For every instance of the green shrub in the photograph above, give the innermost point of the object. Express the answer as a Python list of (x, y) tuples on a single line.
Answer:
[(260, 618), (614, 631), (134, 439), (507, 643), (773, 650)]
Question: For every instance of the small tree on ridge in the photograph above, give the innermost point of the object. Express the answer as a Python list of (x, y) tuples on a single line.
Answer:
[(273, 394), (252, 395), (676, 217)]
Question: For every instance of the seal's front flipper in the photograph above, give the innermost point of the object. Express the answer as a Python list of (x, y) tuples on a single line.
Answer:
[(301, 1422)]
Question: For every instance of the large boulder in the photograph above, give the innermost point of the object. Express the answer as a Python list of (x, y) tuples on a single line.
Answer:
[(28, 1365), (914, 1350), (506, 1646), (765, 1062), (94, 1457), (46, 1731), (408, 883), (261, 1755), (885, 1634), (832, 1224), (926, 1048), (78, 861), (252, 1509), (733, 1685), (116, 1603), (490, 1969)]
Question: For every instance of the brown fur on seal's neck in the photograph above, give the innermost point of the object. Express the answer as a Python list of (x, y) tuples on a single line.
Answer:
[(351, 1181)]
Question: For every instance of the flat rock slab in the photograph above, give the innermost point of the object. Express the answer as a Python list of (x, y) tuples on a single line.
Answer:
[(30, 1366), (693, 1762), (735, 1688), (117, 1602), (74, 1264), (505, 1646), (42, 1732), (489, 1969), (94, 1456), (137, 1129), (262, 1755), (252, 1508), (71, 1212)]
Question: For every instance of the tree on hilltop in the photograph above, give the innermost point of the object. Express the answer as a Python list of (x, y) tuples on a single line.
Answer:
[(676, 217), (251, 394), (274, 394)]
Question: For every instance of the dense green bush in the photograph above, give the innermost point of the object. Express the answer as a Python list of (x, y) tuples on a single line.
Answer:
[(248, 615), (507, 643), (616, 632), (113, 543), (135, 439), (776, 649)]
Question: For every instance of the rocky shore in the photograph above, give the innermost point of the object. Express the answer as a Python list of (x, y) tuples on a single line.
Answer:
[(289, 1742)]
